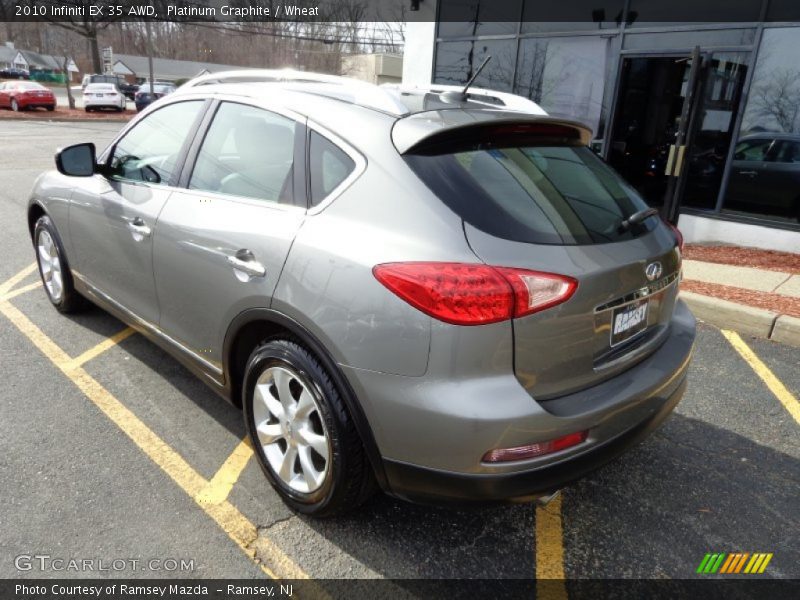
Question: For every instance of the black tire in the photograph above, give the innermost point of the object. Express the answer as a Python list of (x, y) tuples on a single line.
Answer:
[(88, 109), (51, 108), (349, 480), (69, 300)]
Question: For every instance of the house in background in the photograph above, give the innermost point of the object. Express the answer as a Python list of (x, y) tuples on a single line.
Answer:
[(46, 67), (42, 67), (135, 69)]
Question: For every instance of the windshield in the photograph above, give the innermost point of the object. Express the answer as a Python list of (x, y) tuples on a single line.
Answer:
[(537, 194)]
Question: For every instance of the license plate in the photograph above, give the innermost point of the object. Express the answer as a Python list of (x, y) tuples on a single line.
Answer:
[(628, 321)]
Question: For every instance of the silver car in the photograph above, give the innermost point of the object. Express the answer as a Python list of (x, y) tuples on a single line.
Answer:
[(442, 294)]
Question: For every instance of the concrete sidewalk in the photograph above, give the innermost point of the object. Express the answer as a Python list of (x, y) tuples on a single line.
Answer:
[(764, 302)]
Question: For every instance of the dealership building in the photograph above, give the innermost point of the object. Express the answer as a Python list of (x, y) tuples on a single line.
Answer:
[(702, 117)]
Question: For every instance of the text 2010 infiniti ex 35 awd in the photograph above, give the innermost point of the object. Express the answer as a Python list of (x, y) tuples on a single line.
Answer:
[(440, 294)]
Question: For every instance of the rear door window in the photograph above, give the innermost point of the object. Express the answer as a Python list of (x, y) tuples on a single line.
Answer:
[(557, 194), (330, 166)]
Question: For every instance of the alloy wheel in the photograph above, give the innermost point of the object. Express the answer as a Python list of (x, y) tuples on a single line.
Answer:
[(291, 430), (50, 264)]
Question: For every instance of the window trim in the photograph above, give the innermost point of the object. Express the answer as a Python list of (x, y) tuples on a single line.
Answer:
[(299, 193), (180, 163), (358, 159)]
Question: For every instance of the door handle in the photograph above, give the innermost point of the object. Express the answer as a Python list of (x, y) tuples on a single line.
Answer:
[(244, 262), (139, 229), (751, 173)]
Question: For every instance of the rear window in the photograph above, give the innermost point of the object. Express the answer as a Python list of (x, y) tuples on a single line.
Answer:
[(553, 194), (29, 85)]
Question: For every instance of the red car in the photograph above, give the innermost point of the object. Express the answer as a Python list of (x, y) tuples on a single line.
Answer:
[(22, 95)]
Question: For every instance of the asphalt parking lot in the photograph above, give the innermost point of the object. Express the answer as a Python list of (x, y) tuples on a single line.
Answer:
[(111, 450)]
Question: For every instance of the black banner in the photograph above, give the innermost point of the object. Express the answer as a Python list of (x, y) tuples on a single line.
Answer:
[(711, 588), (603, 13)]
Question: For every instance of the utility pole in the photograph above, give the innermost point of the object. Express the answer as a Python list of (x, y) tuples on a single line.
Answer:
[(149, 30)]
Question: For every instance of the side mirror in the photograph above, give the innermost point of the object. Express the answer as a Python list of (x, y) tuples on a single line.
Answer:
[(77, 161)]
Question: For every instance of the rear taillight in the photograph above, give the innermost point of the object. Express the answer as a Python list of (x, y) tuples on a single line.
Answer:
[(677, 233), (534, 291), (534, 450), (474, 294)]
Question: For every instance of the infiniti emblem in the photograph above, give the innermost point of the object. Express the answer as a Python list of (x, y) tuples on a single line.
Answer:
[(653, 271)]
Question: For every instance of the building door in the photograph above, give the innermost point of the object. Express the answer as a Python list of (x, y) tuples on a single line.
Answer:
[(673, 125)]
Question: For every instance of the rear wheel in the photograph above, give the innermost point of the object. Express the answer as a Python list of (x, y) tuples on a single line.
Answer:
[(303, 435), (51, 107), (54, 269)]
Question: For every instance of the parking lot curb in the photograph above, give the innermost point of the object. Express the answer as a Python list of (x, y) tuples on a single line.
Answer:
[(787, 330), (744, 319)]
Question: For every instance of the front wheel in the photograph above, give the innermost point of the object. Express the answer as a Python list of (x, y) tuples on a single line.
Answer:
[(54, 269), (302, 432)]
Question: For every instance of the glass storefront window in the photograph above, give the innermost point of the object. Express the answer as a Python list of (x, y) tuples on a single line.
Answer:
[(457, 61), (764, 180), (565, 76), (460, 18), (573, 15), (649, 13)]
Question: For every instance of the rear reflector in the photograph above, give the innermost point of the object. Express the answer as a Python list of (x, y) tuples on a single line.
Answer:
[(474, 294), (534, 450)]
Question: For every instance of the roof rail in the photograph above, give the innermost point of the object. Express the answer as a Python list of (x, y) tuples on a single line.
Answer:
[(267, 76), (509, 101), (359, 92)]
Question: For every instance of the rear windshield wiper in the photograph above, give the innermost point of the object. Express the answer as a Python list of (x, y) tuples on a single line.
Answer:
[(637, 218)]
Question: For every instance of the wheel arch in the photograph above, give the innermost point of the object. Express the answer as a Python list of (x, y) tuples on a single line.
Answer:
[(251, 327), (35, 212)]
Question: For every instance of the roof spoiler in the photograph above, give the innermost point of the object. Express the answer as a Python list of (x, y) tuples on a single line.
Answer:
[(426, 129)]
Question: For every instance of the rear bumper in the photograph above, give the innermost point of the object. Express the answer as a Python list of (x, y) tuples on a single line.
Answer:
[(433, 432), (419, 484)]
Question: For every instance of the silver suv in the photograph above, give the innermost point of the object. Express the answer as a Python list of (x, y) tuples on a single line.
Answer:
[(443, 294)]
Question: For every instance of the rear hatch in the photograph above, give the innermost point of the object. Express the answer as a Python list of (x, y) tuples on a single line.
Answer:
[(533, 196)]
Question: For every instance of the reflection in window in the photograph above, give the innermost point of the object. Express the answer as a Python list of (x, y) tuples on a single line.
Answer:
[(565, 76), (764, 179), (478, 17), (457, 61)]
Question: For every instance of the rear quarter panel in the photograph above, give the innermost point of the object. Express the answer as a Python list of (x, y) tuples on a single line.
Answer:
[(386, 215)]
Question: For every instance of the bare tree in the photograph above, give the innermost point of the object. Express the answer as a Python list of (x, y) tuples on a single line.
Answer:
[(778, 96), (86, 26), (65, 66)]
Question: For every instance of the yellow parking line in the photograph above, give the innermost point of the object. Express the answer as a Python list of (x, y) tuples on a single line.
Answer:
[(243, 532), (550, 552), (100, 348), (8, 284), (228, 474), (22, 290), (768, 377)]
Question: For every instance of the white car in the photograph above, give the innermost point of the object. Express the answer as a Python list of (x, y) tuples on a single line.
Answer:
[(103, 95)]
